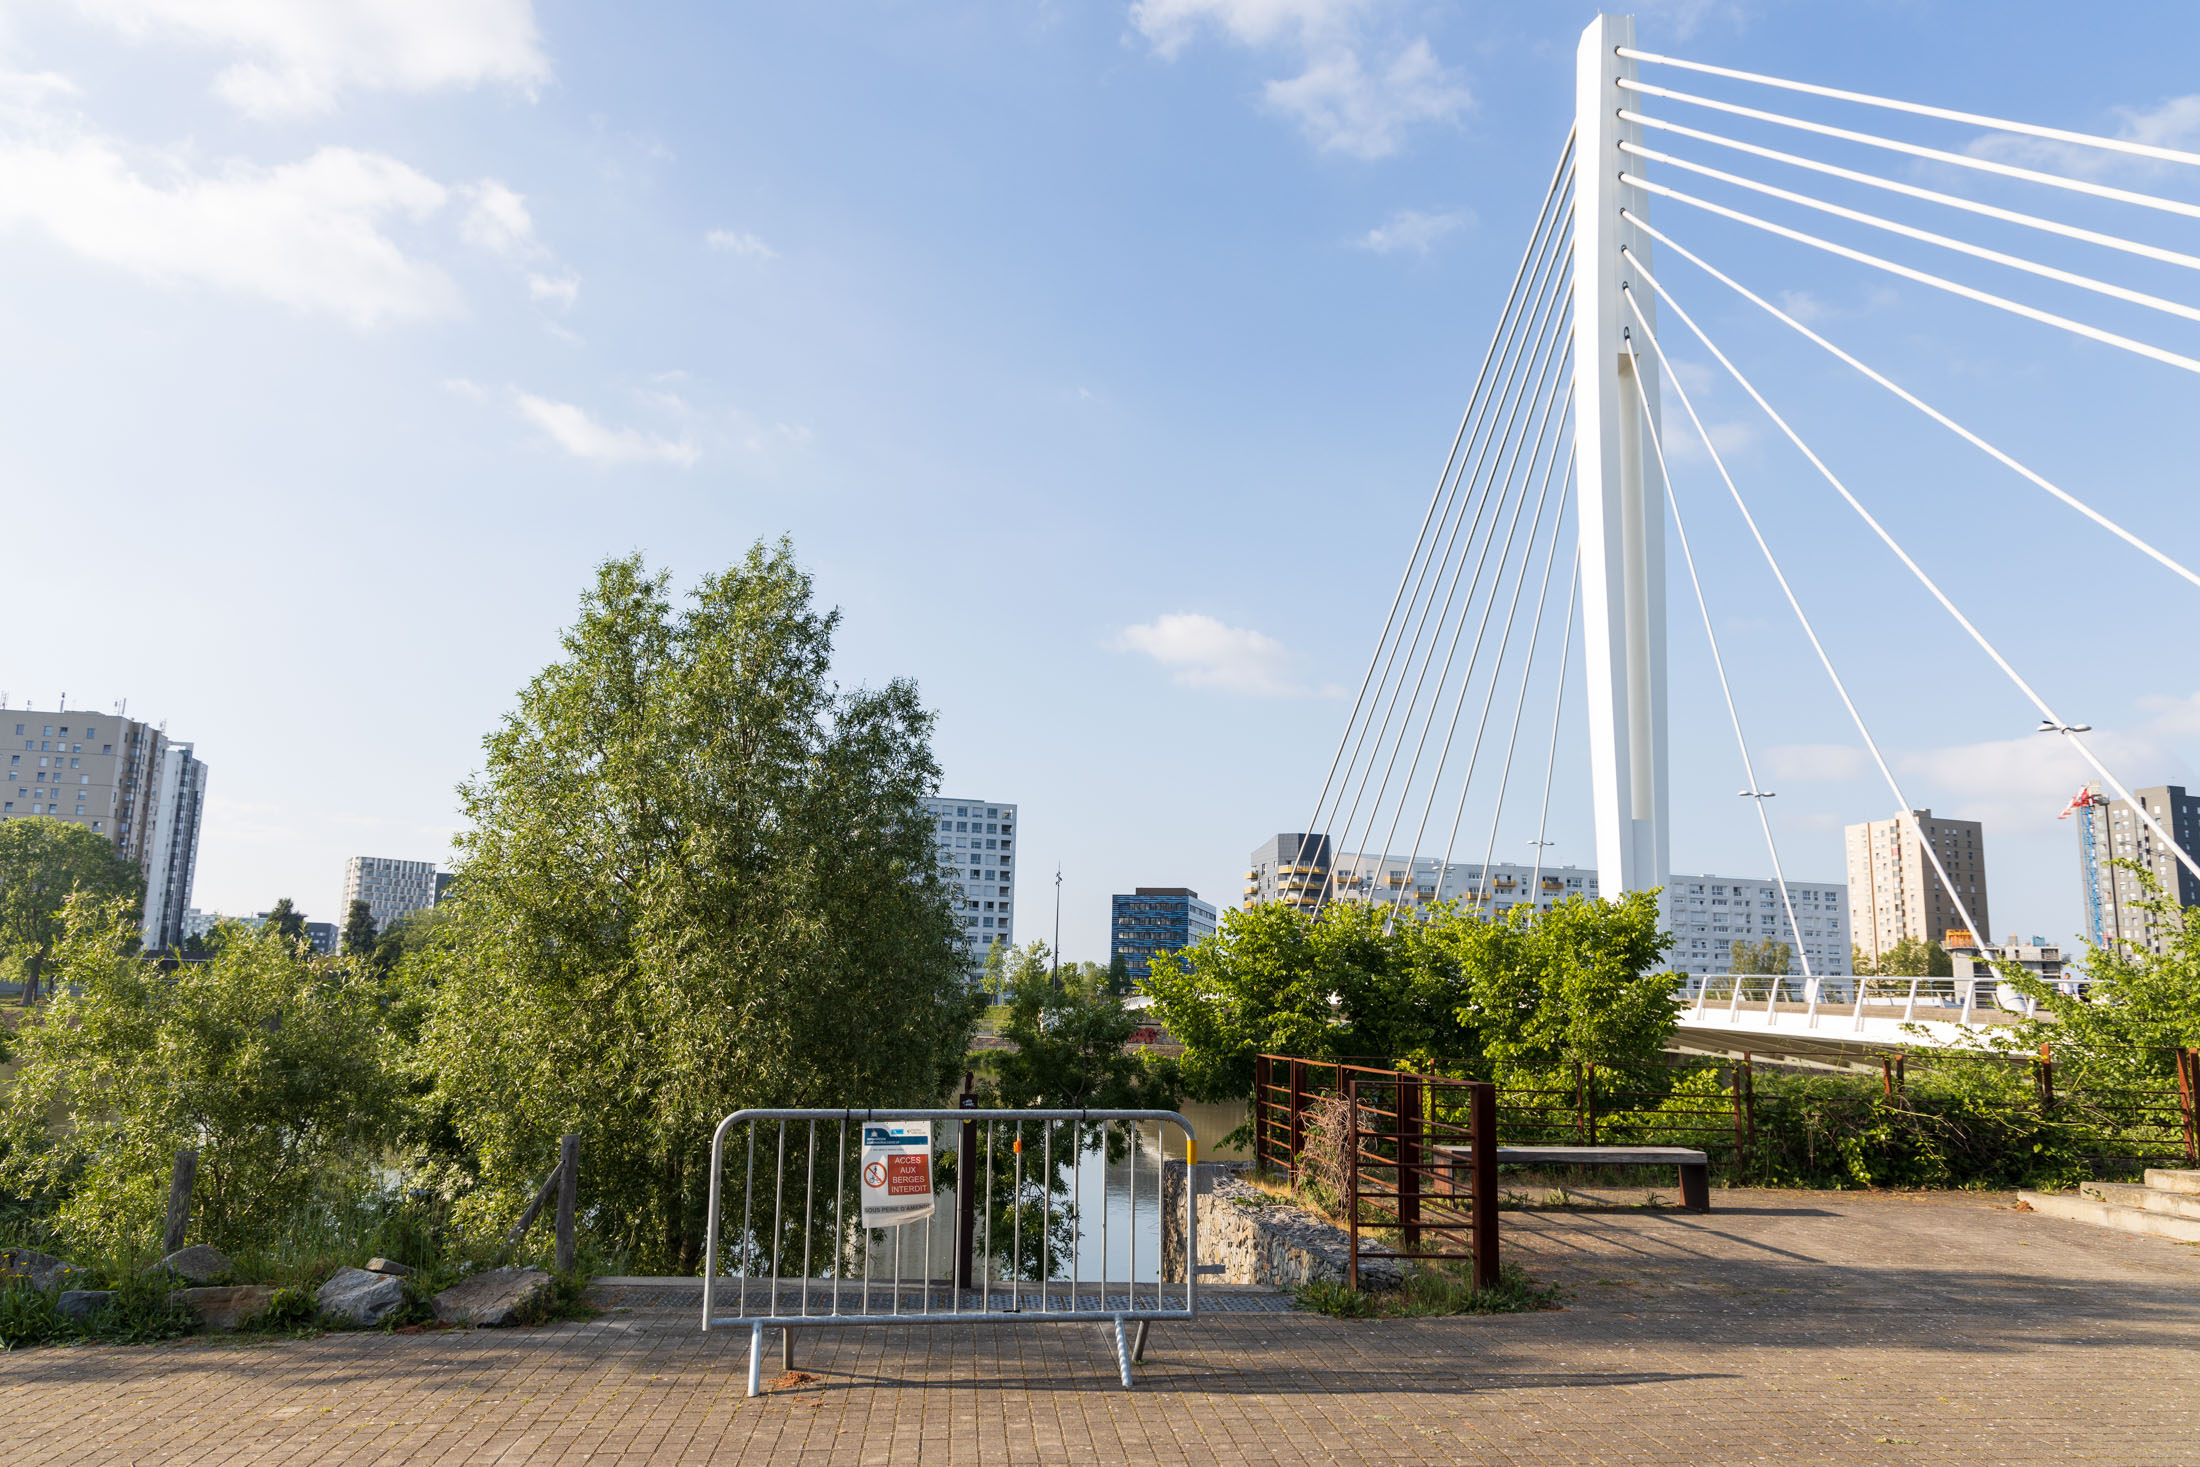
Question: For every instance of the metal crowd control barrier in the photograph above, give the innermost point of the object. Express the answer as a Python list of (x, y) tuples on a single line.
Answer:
[(801, 1258)]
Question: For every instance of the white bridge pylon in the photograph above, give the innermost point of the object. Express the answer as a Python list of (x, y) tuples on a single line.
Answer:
[(1565, 417), (1622, 492)]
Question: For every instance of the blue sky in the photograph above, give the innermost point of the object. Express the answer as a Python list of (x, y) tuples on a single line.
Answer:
[(1097, 358)]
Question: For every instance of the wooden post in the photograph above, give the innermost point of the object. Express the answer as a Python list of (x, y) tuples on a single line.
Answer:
[(2047, 1079), (534, 1209), (1260, 1113), (1589, 1097), (1580, 1131), (1886, 1078), (1749, 1098), (1482, 1100), (569, 1185), (2188, 1072), (1412, 1092), (1297, 1095), (179, 1201), (1351, 1176)]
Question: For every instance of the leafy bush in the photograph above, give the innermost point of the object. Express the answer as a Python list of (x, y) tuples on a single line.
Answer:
[(266, 1060), (28, 1315), (1431, 1290)]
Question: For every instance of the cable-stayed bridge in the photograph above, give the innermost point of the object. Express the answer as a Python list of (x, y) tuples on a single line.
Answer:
[(1557, 479)]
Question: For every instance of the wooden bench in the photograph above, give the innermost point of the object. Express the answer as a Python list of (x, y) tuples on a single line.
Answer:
[(1694, 1167)]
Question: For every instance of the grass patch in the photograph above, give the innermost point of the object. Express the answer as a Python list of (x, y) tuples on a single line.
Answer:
[(1432, 1291)]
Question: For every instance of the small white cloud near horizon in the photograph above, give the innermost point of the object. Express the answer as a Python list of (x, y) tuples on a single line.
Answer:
[(739, 242), (2173, 122), (1201, 652), (1411, 229), (572, 429), (1340, 104), (301, 58), (2027, 779)]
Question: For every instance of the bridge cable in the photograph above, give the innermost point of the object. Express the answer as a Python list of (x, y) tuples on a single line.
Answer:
[(1923, 277), (1918, 191), (1919, 150), (1558, 705), (1926, 236), (2050, 721), (1825, 660), (1552, 355), (1525, 328), (1718, 661), (1552, 331), (1926, 408), (1565, 415), (1921, 109), (1489, 697), (1559, 177), (1527, 673)]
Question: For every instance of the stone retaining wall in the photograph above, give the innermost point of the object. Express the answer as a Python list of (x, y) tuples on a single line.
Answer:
[(1257, 1237)]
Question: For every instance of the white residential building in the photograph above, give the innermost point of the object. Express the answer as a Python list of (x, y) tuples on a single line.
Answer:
[(1367, 877), (171, 857), (975, 843), (1709, 914), (125, 782), (390, 887)]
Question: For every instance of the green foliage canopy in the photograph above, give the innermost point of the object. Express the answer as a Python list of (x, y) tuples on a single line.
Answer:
[(42, 862), (267, 1061), (697, 877), (1526, 990)]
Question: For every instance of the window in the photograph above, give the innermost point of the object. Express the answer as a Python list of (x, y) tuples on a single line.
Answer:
[(49, 730)]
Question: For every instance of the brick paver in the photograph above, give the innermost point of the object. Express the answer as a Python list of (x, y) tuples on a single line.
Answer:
[(1782, 1327)]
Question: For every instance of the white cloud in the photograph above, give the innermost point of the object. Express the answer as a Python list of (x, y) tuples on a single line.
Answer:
[(1201, 652), (1411, 229), (1814, 763), (736, 242), (2174, 123), (312, 235), (564, 289), (580, 435), (1339, 102), (1804, 306), (302, 55), (498, 221), (464, 387), (2029, 778)]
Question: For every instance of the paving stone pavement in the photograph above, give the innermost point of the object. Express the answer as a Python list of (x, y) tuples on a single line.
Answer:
[(1782, 1327)]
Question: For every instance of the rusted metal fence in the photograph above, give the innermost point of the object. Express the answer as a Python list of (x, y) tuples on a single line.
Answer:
[(1421, 1176), (1713, 1105)]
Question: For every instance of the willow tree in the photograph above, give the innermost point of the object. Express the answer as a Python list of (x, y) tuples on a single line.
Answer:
[(698, 876)]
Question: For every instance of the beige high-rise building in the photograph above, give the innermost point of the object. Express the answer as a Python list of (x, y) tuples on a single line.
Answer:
[(125, 781), (1894, 892)]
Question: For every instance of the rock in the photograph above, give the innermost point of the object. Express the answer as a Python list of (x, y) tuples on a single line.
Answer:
[(389, 1266), (493, 1299), (1258, 1238), (43, 1270), (226, 1308), (81, 1304), (361, 1298), (198, 1263)]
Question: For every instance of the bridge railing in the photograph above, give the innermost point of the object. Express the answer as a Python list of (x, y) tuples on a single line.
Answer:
[(1983, 999)]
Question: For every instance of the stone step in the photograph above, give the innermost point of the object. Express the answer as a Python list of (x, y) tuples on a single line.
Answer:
[(2164, 1179), (2150, 1199), (2073, 1208)]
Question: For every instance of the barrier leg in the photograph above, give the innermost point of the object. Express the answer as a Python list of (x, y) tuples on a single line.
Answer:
[(1122, 1353), (1138, 1341), (756, 1359), (786, 1347)]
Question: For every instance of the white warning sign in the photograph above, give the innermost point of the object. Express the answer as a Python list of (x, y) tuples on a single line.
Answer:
[(897, 1172)]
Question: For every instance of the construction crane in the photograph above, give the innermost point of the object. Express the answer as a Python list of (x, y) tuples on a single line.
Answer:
[(2089, 859)]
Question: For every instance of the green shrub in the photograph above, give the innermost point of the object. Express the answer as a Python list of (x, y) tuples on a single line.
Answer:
[(28, 1316)]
